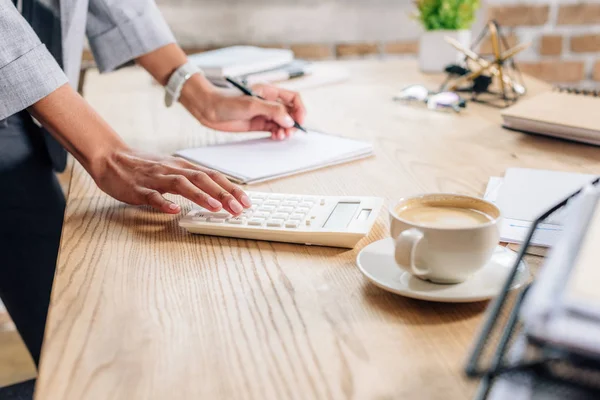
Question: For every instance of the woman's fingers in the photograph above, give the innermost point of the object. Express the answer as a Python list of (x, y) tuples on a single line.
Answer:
[(235, 190), (229, 196), (158, 202), (205, 187), (292, 100), (141, 179), (206, 178), (181, 185)]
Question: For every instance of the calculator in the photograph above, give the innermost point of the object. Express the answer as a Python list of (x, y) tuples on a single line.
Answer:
[(337, 221)]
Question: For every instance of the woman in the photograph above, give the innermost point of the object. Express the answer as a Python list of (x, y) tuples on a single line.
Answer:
[(40, 51)]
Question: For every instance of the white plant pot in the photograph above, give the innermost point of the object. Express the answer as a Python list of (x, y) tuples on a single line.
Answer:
[(435, 53)]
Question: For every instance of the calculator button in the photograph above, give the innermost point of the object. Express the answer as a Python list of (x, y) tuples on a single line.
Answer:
[(293, 198), (247, 213), (256, 221), (260, 196), (271, 203), (306, 205), (216, 220), (275, 222), (292, 224), (200, 216), (256, 200), (289, 204), (309, 199), (220, 214), (298, 217), (286, 209), (280, 215), (261, 214), (302, 210), (235, 221), (276, 197), (267, 208)]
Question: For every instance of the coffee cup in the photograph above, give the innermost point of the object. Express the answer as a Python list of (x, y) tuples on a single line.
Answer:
[(444, 238)]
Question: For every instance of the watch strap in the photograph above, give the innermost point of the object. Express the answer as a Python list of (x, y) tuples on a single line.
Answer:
[(177, 80)]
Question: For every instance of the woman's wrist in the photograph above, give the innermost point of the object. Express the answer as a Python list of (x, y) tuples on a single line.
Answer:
[(198, 96), (78, 128)]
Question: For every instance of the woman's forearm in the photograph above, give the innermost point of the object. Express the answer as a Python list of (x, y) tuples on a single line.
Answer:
[(80, 129), (162, 62), (124, 173)]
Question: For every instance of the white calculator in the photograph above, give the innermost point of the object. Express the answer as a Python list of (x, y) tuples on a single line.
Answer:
[(314, 220)]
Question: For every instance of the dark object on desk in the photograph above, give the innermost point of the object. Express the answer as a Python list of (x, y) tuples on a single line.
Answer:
[(541, 371), (479, 75), (18, 391), (248, 92), (480, 84)]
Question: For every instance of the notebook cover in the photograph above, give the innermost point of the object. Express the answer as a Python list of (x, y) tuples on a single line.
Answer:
[(556, 108)]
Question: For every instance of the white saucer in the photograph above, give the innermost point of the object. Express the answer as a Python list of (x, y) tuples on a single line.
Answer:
[(376, 262)]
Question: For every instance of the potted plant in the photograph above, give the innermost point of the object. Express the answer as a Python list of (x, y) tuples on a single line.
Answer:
[(442, 18)]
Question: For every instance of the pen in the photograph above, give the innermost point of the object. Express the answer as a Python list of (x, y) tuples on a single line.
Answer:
[(248, 92)]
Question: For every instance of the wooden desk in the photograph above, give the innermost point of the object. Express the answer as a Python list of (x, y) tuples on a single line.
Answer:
[(143, 310)]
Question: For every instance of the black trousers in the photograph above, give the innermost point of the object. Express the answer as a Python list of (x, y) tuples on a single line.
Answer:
[(31, 214)]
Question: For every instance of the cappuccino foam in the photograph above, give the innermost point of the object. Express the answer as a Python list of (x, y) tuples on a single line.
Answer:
[(443, 216)]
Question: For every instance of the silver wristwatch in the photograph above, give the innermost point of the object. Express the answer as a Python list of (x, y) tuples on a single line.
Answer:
[(177, 80)]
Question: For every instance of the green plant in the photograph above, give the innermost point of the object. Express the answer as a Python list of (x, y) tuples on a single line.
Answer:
[(446, 14)]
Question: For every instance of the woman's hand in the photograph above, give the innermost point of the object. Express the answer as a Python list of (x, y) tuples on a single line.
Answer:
[(229, 110), (141, 179)]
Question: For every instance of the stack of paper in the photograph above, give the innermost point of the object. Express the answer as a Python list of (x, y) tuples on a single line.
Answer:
[(250, 65), (563, 306), (524, 194)]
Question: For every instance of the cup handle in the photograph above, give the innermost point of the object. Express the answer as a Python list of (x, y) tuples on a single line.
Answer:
[(406, 246)]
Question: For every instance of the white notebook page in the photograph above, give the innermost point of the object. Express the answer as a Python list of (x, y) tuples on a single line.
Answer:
[(262, 159)]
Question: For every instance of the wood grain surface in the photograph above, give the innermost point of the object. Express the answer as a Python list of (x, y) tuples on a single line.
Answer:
[(142, 310)]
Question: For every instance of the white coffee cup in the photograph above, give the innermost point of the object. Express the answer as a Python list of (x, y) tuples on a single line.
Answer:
[(444, 238)]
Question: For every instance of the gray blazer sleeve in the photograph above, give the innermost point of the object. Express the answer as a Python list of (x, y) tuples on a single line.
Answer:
[(122, 30), (28, 72)]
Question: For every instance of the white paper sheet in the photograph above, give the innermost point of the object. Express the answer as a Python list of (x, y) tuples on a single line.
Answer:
[(527, 193), (262, 159), (515, 230)]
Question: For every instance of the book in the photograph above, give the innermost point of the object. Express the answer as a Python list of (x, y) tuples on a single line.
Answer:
[(295, 69), (563, 114), (563, 306), (259, 160), (240, 60)]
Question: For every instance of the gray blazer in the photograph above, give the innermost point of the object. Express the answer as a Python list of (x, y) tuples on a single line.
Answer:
[(43, 52)]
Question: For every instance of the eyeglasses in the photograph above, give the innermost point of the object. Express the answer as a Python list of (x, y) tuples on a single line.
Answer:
[(434, 100)]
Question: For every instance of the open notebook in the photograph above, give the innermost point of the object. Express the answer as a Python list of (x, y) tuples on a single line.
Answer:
[(559, 114), (258, 160)]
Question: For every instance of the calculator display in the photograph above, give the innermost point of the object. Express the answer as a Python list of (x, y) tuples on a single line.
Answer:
[(341, 216)]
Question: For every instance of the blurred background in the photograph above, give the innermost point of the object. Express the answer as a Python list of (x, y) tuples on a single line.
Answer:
[(565, 34)]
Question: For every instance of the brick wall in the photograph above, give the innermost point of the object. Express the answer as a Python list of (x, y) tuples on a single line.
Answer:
[(565, 34), (314, 29), (565, 37)]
